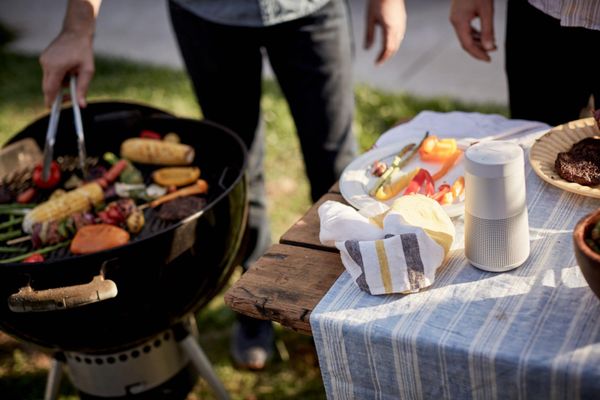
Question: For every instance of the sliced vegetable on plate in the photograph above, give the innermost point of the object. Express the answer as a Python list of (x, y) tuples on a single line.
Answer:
[(392, 189), (436, 171), (434, 149)]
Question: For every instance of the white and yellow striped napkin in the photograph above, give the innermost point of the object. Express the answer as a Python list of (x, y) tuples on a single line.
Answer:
[(402, 255)]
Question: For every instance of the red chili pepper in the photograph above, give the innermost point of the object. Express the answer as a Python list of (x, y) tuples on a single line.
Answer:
[(34, 258), (53, 177), (148, 134), (422, 183), (26, 196)]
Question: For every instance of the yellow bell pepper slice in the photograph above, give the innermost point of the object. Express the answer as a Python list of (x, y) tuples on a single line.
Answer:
[(389, 190)]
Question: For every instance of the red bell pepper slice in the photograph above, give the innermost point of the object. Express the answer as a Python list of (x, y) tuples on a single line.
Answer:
[(148, 134), (422, 183), (444, 194), (34, 258)]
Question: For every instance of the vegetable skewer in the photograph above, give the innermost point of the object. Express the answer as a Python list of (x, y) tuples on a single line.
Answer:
[(401, 159), (199, 187), (394, 166)]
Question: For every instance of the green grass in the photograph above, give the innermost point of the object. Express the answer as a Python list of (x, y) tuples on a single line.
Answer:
[(294, 372)]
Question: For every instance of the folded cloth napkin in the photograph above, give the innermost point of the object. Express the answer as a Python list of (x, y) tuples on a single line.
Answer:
[(399, 256)]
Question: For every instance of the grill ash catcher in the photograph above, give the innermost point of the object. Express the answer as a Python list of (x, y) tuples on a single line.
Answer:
[(164, 367), (120, 322)]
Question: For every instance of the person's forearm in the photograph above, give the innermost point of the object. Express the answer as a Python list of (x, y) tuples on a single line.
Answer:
[(80, 18)]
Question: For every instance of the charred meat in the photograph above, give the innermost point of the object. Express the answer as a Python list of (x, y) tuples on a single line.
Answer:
[(581, 164)]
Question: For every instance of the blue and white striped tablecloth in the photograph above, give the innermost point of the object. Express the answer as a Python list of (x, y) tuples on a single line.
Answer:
[(533, 332)]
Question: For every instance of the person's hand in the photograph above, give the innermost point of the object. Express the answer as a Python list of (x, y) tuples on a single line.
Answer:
[(478, 43), (390, 15), (69, 53)]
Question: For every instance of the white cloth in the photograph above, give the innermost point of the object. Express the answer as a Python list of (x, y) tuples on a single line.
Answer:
[(458, 124), (398, 258)]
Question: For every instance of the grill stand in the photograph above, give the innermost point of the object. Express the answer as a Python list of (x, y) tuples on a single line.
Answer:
[(197, 357), (54, 377), (109, 375)]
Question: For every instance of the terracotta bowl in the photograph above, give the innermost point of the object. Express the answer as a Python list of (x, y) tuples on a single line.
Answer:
[(588, 259)]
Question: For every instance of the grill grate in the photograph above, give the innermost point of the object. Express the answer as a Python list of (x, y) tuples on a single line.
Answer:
[(153, 225)]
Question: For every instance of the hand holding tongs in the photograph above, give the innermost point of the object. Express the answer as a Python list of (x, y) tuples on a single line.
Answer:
[(53, 125)]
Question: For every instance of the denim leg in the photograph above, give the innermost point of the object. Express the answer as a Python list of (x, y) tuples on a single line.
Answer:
[(225, 66), (312, 60)]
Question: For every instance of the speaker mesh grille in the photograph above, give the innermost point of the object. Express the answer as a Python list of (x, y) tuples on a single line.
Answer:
[(497, 244)]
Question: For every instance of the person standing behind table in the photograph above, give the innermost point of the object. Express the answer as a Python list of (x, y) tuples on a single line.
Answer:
[(549, 49), (309, 46)]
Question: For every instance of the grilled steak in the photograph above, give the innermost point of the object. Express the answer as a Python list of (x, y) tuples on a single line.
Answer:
[(581, 164), (182, 207)]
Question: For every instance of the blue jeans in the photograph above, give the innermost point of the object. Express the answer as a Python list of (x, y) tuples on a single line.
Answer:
[(311, 59)]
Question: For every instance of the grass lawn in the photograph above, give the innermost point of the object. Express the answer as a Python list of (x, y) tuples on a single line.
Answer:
[(294, 372)]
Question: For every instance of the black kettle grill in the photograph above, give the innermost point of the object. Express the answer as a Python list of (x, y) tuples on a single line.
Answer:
[(165, 273)]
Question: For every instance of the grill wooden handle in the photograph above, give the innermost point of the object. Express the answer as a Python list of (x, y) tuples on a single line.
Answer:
[(29, 300)]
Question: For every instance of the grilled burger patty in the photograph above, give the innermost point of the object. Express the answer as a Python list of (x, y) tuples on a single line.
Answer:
[(581, 164)]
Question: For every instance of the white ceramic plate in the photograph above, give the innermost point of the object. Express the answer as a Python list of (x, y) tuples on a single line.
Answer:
[(546, 148), (356, 180)]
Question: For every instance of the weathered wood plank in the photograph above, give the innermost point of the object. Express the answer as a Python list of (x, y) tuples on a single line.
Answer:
[(285, 285), (305, 232)]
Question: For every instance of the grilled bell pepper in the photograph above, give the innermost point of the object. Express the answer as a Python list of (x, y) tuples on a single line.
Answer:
[(447, 166), (444, 194), (434, 149), (387, 191), (422, 183), (148, 134), (34, 258)]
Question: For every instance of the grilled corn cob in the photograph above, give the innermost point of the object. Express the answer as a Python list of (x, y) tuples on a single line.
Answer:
[(158, 152), (76, 200)]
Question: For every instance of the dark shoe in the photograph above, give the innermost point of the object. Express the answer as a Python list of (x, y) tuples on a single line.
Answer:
[(252, 343)]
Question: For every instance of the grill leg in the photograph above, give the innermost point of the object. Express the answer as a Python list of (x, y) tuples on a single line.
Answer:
[(191, 347), (53, 381)]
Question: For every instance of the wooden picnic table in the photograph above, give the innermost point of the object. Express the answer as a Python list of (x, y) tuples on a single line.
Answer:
[(288, 281)]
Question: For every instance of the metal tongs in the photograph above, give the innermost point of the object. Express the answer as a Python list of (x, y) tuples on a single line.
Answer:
[(53, 125)]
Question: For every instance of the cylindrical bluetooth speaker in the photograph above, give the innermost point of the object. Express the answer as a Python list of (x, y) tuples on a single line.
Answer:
[(496, 224)]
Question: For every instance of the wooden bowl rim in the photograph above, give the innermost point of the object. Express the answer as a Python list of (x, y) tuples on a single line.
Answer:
[(579, 232)]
